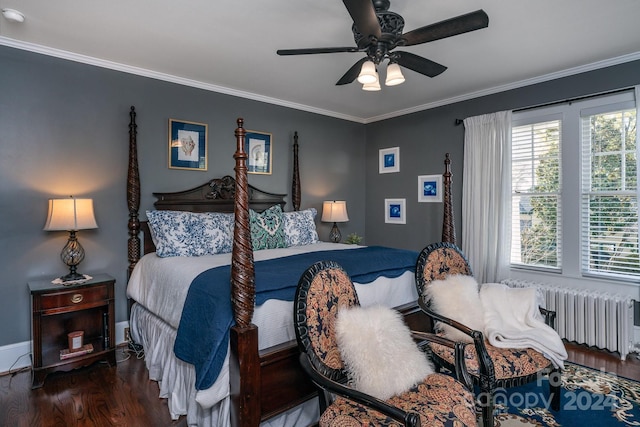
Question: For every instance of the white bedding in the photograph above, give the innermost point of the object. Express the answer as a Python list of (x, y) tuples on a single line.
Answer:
[(161, 286)]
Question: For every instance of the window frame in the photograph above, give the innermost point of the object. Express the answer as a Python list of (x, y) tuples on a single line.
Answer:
[(571, 182), (527, 120), (585, 192)]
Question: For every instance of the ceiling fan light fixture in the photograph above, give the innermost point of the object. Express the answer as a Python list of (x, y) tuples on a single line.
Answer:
[(394, 75), (13, 15), (378, 31), (371, 87), (368, 73)]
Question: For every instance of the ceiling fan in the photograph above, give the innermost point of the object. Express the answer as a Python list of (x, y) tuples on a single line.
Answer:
[(377, 32)]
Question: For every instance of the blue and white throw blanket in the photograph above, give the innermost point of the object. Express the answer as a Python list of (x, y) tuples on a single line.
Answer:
[(207, 316)]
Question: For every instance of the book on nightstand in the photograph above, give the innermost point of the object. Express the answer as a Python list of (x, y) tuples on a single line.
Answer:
[(66, 354)]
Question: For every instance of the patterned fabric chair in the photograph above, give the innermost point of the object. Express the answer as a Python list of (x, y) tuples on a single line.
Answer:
[(490, 367), (437, 400)]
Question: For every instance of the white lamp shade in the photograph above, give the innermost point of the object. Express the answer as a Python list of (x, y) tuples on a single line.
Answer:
[(334, 211), (70, 214), (368, 73), (371, 87), (394, 75)]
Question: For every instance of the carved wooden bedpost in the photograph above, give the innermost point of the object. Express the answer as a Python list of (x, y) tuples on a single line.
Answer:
[(242, 270), (295, 181), (244, 362), (448, 226), (133, 194)]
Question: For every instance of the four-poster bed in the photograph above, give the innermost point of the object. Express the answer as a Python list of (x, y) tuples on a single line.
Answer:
[(264, 378)]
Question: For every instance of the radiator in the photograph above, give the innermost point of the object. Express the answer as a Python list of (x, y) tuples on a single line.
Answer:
[(587, 317)]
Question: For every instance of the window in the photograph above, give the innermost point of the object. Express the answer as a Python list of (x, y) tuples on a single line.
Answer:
[(535, 198), (609, 199), (574, 192)]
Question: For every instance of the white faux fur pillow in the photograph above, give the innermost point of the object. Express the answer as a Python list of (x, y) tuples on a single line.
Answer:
[(457, 298), (377, 349)]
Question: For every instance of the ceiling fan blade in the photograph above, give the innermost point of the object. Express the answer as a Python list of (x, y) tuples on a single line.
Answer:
[(364, 17), (419, 64), (285, 52), (352, 74), (447, 28)]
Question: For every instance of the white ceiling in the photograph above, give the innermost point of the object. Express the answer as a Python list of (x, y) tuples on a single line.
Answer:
[(229, 46)]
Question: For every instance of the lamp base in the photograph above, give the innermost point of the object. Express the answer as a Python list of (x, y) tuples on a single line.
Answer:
[(72, 254), (72, 277), (335, 235)]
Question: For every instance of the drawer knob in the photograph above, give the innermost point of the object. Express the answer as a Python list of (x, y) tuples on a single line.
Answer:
[(76, 298)]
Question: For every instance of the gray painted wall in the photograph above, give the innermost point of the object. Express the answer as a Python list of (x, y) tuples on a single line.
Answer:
[(424, 138), (64, 130)]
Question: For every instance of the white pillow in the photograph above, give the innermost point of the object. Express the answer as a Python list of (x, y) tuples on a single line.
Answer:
[(300, 227), (177, 233), (457, 298), (379, 354)]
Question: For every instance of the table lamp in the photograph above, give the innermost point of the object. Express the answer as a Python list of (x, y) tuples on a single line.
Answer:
[(334, 211), (71, 214)]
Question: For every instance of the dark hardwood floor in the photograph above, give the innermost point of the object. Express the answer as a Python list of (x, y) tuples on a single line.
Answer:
[(605, 361), (124, 396), (94, 396)]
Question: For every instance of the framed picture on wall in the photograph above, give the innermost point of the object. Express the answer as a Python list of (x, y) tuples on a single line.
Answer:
[(187, 145), (430, 188), (394, 211), (258, 146), (389, 160)]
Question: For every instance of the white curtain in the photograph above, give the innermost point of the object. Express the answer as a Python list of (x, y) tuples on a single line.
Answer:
[(485, 194)]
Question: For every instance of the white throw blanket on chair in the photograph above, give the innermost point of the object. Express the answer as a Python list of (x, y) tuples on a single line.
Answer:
[(513, 320)]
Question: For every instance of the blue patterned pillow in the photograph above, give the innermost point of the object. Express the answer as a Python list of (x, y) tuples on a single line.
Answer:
[(178, 233), (300, 228), (267, 230)]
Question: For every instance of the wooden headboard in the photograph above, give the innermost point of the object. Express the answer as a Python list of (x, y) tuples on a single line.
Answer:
[(216, 195)]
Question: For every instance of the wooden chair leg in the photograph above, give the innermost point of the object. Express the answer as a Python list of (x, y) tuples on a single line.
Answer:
[(555, 388), (486, 402), (487, 414)]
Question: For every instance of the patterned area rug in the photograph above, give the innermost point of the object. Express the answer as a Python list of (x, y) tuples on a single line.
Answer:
[(589, 398)]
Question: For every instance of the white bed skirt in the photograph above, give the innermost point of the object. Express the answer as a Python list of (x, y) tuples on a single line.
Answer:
[(176, 379)]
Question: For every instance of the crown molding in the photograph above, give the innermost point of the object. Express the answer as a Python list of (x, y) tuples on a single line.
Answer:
[(515, 85), (89, 60), (85, 59)]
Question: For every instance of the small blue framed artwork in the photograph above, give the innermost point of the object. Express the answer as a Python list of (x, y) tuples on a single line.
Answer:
[(258, 146), (389, 160), (430, 188), (395, 211), (187, 145)]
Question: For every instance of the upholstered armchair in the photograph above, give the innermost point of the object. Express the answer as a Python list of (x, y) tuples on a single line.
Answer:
[(490, 367), (324, 293)]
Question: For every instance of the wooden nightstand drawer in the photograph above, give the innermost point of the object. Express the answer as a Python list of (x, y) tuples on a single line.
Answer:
[(74, 297)]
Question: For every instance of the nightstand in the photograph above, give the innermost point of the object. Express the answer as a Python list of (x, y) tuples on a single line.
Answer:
[(59, 310)]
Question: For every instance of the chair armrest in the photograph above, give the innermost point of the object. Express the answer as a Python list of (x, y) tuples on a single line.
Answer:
[(487, 370), (462, 373), (435, 316), (408, 419), (549, 317)]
